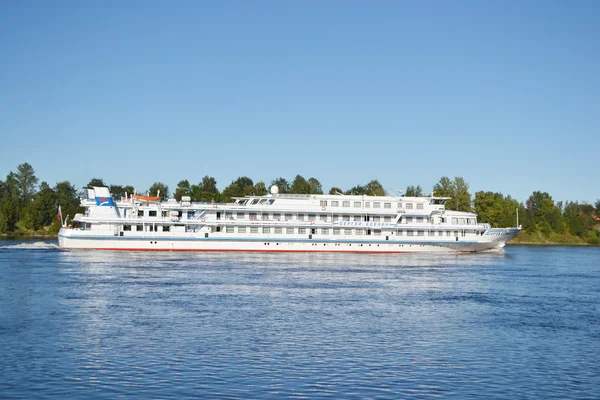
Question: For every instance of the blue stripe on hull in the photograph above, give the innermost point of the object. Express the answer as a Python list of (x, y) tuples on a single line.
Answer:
[(270, 239)]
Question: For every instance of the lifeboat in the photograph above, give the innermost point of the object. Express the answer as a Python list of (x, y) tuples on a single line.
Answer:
[(146, 198)]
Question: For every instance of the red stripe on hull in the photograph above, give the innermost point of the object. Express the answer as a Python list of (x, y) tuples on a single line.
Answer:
[(243, 251)]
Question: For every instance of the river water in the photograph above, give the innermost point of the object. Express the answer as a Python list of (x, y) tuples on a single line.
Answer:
[(520, 324)]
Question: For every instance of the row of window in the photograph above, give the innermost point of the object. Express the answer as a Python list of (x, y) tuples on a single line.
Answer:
[(150, 228), (338, 231), (376, 204), (151, 213), (463, 221), (302, 231), (289, 217), (327, 217), (309, 217)]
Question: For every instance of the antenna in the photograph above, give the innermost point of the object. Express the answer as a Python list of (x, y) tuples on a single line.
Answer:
[(517, 217)]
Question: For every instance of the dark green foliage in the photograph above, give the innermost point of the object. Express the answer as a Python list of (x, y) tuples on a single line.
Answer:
[(24, 207), (260, 189), (42, 211), (555, 220), (245, 183), (540, 205), (26, 181), (412, 191), (593, 238), (119, 191), (231, 191), (497, 210), (300, 185), (66, 197), (444, 188), (96, 182), (373, 188), (546, 229), (457, 190), (183, 189), (206, 191), (357, 190), (315, 186), (10, 205), (490, 206), (241, 187)]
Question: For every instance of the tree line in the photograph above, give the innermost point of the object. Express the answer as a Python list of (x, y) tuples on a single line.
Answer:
[(27, 207)]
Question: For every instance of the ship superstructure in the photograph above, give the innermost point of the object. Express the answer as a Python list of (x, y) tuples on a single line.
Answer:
[(279, 222)]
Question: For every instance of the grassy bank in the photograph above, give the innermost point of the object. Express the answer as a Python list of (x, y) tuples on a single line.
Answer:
[(553, 238)]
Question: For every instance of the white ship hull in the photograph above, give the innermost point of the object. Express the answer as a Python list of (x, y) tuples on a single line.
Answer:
[(279, 223), (71, 239)]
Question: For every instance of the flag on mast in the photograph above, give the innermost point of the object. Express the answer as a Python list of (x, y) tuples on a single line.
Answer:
[(59, 215)]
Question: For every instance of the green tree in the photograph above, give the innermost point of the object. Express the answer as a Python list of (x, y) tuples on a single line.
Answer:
[(282, 184), (66, 197), (242, 186), (231, 191), (462, 197), (374, 188), (10, 205), (335, 190), (412, 191), (245, 183), (539, 206), (457, 190), (245, 186), (300, 185), (444, 188), (26, 181), (357, 190), (207, 190), (161, 188), (43, 210), (509, 216), (183, 189), (260, 189), (98, 182), (490, 207), (315, 186), (555, 220), (497, 210), (118, 191)]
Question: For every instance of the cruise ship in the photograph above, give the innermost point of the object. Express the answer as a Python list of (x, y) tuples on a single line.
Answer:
[(279, 223)]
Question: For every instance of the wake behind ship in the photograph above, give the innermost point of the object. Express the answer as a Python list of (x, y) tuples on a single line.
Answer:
[(279, 222)]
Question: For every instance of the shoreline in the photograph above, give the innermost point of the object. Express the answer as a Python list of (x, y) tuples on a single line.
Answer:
[(552, 244)]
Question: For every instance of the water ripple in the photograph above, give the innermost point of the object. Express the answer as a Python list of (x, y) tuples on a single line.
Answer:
[(520, 324)]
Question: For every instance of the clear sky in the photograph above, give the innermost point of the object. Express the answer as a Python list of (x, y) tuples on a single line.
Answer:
[(503, 93)]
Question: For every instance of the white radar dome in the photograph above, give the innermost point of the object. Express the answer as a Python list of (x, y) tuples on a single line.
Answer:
[(274, 189)]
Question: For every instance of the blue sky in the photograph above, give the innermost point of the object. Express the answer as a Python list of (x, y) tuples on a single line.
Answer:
[(503, 93)]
